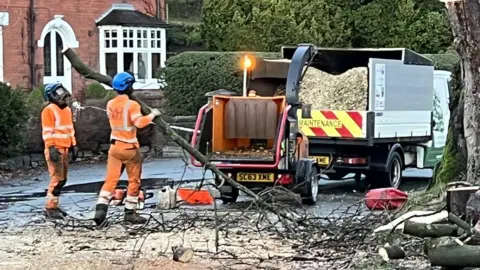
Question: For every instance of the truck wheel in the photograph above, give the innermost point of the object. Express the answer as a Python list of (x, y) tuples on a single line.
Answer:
[(309, 196), (391, 178), (229, 197)]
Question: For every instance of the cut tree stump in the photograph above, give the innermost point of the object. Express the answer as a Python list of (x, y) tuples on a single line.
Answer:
[(430, 230), (457, 199), (181, 254), (391, 253), (450, 252)]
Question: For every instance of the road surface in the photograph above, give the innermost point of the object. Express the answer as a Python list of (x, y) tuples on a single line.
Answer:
[(22, 200)]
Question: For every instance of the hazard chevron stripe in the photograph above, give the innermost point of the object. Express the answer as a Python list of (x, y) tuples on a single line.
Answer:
[(327, 123)]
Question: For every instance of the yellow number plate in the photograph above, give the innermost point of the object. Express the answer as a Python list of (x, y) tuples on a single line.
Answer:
[(255, 177), (322, 160)]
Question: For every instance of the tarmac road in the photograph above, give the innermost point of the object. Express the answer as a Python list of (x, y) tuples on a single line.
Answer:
[(22, 200)]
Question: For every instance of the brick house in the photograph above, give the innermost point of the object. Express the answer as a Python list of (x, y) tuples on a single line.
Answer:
[(107, 35)]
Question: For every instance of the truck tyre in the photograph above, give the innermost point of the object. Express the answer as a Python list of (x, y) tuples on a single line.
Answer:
[(310, 193), (390, 178)]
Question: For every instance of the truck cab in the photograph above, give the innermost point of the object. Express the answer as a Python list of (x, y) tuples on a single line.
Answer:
[(441, 116)]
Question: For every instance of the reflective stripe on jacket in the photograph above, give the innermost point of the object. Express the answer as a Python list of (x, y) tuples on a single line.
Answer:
[(125, 117), (57, 127)]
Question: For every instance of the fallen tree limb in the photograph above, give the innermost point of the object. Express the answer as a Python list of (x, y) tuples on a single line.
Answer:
[(430, 230), (425, 217), (89, 73), (391, 253), (462, 224), (451, 252)]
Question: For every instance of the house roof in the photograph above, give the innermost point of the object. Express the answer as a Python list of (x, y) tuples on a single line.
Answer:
[(129, 17)]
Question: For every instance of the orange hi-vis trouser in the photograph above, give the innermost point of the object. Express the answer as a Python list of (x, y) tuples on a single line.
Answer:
[(125, 117), (57, 131), (122, 155), (58, 176)]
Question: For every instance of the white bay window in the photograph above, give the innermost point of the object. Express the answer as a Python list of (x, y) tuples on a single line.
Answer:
[(140, 50)]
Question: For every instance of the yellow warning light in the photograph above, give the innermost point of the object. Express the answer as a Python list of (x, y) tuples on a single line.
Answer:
[(247, 62)]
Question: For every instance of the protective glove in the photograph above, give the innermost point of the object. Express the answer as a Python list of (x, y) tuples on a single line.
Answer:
[(155, 112), (54, 154), (74, 150)]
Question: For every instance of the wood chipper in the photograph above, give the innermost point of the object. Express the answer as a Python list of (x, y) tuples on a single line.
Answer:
[(265, 138)]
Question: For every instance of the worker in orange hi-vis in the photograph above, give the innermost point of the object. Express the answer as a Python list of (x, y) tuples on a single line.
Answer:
[(59, 138), (125, 117)]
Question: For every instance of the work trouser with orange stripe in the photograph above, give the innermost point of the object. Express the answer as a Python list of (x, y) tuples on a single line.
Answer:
[(58, 176), (121, 155)]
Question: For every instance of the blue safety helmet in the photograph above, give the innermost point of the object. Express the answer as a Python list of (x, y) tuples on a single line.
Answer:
[(54, 91), (122, 81)]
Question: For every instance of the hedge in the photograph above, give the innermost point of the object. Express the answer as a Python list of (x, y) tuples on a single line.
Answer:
[(190, 75), (13, 121)]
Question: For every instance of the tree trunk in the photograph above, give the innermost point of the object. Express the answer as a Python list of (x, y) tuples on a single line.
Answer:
[(453, 166), (464, 18), (456, 157)]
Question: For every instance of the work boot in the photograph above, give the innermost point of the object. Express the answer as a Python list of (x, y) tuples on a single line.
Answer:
[(54, 213), (134, 218), (100, 214)]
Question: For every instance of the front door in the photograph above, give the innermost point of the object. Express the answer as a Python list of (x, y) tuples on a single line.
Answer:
[(56, 67)]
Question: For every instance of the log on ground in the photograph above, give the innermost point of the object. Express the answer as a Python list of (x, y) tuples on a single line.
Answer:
[(457, 199), (391, 253), (182, 254), (450, 252), (430, 230)]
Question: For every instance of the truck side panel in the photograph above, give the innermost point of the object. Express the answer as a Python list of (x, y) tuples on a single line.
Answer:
[(395, 86), (335, 124), (394, 124)]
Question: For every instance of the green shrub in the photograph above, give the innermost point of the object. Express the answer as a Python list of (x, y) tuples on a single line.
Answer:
[(13, 121), (95, 90), (445, 61), (264, 25), (190, 75), (35, 101)]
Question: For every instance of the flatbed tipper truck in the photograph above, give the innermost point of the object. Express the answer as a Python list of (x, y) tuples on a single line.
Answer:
[(263, 139)]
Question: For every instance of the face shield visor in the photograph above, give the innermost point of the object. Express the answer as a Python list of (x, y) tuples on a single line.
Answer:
[(60, 94)]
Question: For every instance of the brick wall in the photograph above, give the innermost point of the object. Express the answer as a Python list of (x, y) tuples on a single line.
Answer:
[(81, 16)]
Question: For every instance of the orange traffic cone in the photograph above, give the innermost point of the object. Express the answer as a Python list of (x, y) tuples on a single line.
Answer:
[(192, 196)]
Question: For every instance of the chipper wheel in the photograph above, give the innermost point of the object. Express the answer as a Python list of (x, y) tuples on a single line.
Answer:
[(307, 174)]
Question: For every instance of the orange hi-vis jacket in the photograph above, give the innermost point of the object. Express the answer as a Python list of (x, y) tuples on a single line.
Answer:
[(125, 117), (57, 127)]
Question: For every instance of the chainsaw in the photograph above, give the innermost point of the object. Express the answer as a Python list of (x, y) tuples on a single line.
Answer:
[(120, 193)]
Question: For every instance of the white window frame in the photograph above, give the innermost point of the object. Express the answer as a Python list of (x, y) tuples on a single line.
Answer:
[(4, 20), (148, 82), (1, 54)]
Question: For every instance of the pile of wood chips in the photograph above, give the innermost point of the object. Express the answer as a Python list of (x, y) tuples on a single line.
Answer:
[(347, 91)]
